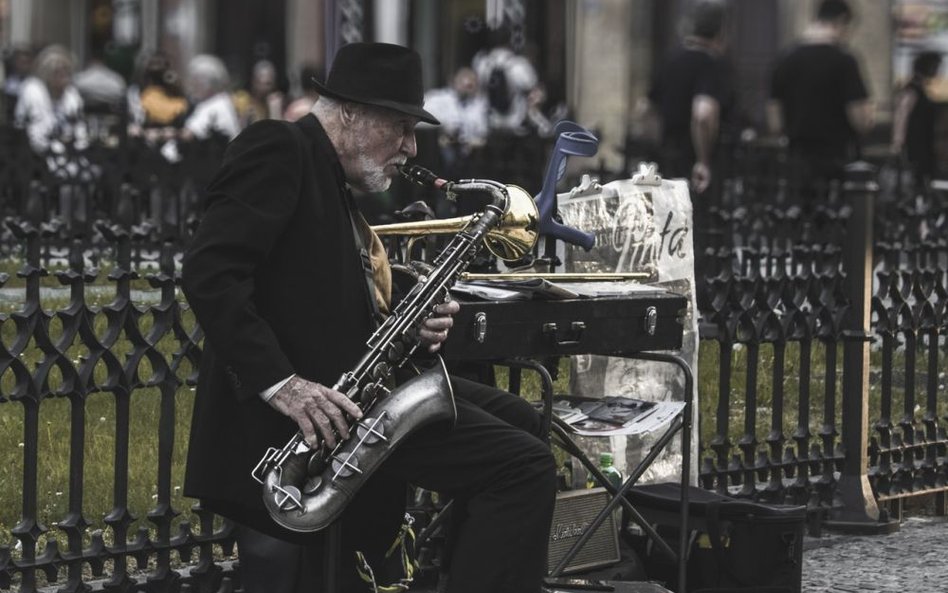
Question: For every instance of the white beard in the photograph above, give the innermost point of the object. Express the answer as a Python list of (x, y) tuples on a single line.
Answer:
[(372, 177)]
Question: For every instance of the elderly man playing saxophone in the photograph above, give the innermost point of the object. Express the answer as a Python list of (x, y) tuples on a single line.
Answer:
[(276, 280)]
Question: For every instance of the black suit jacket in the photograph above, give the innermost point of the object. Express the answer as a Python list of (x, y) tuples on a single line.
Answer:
[(275, 280)]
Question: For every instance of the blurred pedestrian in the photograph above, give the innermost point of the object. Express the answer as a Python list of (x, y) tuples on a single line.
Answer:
[(310, 76), (462, 109), (156, 100), (689, 93), (102, 88), (49, 107), (506, 78), (913, 126), (818, 97), (103, 92), (17, 65), (207, 85), (263, 99)]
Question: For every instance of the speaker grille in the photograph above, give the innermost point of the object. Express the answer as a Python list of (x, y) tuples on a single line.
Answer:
[(573, 513)]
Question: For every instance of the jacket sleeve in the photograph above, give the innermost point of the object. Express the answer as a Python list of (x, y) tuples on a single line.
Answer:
[(248, 204)]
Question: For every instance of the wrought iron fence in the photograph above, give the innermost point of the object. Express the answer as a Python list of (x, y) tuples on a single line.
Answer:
[(787, 417), (57, 345), (785, 287)]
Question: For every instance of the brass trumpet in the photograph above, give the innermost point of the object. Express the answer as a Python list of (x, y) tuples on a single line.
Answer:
[(512, 239)]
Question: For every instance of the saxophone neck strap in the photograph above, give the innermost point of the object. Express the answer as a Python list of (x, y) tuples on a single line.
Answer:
[(364, 257)]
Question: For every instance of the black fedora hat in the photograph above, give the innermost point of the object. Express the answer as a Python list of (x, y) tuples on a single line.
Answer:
[(380, 74)]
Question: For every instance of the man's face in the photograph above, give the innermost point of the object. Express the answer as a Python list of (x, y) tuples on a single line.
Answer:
[(465, 83), (382, 139)]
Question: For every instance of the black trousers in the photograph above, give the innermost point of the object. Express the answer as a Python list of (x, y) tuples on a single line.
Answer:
[(501, 473)]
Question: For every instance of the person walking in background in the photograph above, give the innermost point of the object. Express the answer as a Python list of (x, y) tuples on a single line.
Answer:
[(207, 83), (689, 93), (913, 125), (818, 98)]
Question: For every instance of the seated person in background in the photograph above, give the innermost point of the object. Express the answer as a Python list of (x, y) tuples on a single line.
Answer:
[(102, 88), (157, 101), (264, 100), (50, 108), (507, 78), (309, 77), (207, 83), (17, 64), (462, 109)]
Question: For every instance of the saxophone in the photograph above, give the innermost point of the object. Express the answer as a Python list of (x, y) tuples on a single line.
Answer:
[(306, 488)]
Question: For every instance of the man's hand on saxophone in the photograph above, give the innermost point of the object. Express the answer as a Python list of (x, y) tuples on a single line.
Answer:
[(316, 409), (434, 330)]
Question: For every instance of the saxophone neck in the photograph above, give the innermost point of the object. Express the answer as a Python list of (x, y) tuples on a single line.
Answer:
[(496, 190), (424, 177)]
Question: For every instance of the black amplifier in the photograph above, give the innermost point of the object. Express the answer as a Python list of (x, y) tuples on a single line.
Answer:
[(610, 325)]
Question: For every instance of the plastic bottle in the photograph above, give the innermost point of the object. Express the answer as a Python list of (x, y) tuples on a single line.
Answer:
[(609, 470)]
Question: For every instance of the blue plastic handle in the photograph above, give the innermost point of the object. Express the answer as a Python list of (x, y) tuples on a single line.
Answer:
[(571, 140)]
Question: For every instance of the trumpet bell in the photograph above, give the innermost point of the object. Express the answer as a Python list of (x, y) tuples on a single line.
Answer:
[(510, 240)]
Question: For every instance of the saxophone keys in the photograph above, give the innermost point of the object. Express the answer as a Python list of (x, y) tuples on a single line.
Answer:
[(312, 485), (371, 430), (316, 464), (381, 371), (287, 498), (343, 468), (396, 352)]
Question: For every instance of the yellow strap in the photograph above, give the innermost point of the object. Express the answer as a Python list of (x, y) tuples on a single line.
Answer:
[(406, 541)]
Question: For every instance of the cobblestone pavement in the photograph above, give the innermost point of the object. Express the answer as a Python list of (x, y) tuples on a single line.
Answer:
[(912, 560)]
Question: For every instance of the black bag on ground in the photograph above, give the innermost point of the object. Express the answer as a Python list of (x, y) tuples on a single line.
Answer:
[(735, 545)]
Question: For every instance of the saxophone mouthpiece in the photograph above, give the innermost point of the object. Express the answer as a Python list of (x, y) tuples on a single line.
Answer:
[(423, 177)]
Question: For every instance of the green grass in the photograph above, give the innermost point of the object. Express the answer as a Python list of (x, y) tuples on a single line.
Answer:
[(708, 374), (99, 449), (99, 443), (100, 416)]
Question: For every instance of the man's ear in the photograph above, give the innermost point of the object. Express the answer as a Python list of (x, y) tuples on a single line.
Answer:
[(347, 112)]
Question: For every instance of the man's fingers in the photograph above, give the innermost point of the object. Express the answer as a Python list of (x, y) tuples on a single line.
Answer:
[(321, 421), (337, 406), (348, 406), (447, 308), (320, 412), (306, 427), (436, 324), (429, 336)]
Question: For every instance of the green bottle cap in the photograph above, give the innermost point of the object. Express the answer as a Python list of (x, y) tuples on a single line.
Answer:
[(605, 459)]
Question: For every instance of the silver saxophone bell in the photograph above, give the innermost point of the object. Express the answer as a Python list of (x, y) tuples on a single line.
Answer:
[(304, 502)]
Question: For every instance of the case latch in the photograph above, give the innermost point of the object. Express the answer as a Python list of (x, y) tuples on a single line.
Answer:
[(480, 327), (651, 320)]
